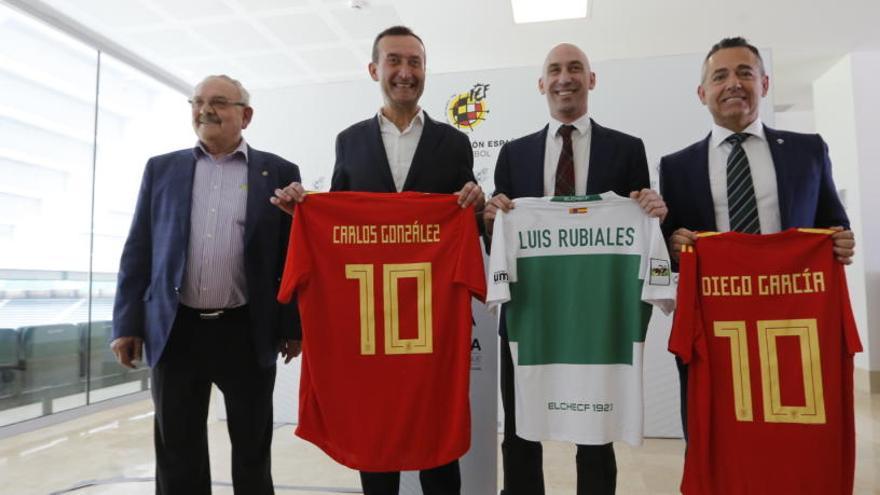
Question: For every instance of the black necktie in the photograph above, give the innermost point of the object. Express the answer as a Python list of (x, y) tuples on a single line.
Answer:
[(565, 167), (742, 206)]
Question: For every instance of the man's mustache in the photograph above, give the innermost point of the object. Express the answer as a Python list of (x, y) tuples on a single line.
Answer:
[(209, 119)]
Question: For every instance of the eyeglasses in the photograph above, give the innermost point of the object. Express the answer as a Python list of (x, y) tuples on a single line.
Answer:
[(215, 103)]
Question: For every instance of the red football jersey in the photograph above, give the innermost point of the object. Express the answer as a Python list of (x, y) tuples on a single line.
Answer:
[(765, 325), (384, 284)]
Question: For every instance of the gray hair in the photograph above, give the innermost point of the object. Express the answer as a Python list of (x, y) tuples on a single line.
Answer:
[(245, 96)]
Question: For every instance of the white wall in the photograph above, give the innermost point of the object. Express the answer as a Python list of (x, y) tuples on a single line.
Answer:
[(845, 104), (866, 74), (797, 121)]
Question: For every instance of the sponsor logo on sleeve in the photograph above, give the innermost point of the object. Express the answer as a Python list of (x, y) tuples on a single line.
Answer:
[(660, 273)]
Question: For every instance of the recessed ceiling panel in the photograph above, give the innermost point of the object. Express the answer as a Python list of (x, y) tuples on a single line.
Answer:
[(300, 29), (167, 43), (255, 6), (272, 66), (112, 14), (234, 36), (333, 60), (193, 9), (195, 71), (368, 22)]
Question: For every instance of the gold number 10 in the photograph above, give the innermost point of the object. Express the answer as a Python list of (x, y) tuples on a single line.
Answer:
[(813, 410), (423, 343)]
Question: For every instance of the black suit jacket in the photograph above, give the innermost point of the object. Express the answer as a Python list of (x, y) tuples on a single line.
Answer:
[(154, 257), (443, 161), (617, 163), (807, 195)]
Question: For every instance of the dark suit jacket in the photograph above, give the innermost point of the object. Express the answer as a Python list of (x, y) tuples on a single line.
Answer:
[(807, 196), (154, 256), (443, 162), (617, 163)]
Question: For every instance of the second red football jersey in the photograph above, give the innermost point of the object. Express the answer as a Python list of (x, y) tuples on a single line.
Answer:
[(384, 285), (765, 326)]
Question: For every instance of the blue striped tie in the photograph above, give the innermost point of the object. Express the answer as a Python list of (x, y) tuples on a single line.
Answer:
[(742, 206)]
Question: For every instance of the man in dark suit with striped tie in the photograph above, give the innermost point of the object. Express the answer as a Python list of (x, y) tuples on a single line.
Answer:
[(745, 176)]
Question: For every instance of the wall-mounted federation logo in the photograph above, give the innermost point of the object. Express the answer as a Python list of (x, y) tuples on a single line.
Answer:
[(467, 110)]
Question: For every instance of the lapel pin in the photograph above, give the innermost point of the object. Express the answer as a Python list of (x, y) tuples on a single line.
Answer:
[(265, 173), (780, 140)]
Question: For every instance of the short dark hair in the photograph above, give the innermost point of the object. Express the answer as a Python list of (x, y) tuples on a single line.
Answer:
[(735, 42), (393, 31)]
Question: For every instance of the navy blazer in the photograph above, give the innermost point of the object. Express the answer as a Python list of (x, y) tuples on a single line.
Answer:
[(617, 163), (154, 257), (807, 196), (443, 162)]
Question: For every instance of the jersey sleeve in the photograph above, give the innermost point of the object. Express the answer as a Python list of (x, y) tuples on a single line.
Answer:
[(469, 268), (848, 321), (656, 269), (298, 263), (499, 277), (686, 323)]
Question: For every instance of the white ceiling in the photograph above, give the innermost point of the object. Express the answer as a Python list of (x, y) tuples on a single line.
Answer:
[(275, 43)]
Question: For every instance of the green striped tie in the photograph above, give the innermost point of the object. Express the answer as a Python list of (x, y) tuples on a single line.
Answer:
[(741, 203)]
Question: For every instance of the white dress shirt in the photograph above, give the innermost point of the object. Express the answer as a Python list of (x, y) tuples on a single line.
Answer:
[(580, 144), (400, 146), (763, 176)]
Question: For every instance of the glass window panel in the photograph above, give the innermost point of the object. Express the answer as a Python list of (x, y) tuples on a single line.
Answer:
[(47, 87), (56, 314), (137, 118)]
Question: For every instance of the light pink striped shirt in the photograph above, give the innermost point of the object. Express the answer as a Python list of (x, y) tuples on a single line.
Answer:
[(215, 275)]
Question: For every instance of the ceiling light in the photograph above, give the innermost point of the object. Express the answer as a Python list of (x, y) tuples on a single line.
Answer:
[(547, 10)]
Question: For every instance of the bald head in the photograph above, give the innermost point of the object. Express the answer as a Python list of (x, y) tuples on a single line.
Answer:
[(566, 81), (566, 51)]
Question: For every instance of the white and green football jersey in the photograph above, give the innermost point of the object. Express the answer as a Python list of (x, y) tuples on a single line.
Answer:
[(578, 277)]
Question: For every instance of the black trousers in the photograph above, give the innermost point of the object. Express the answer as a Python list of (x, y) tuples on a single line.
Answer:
[(523, 459), (441, 480), (201, 352), (683, 385)]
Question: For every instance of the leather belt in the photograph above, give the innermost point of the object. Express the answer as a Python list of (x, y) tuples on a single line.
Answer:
[(211, 313)]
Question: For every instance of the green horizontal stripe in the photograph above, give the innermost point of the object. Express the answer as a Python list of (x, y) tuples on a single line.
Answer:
[(577, 309)]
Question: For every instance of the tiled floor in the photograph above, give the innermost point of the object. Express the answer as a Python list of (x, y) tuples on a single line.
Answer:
[(114, 449)]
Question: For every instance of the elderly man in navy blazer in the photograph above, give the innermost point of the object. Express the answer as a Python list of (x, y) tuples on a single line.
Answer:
[(787, 174), (401, 149), (572, 155), (197, 284)]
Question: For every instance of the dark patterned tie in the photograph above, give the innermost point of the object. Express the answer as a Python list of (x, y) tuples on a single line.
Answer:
[(565, 167), (742, 206)]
